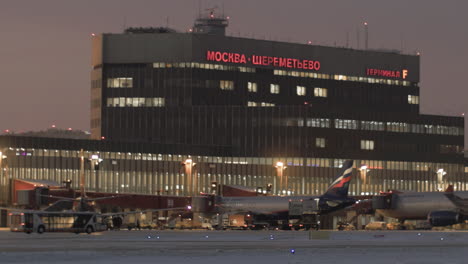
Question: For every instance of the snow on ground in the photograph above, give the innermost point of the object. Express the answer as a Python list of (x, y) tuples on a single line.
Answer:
[(405, 247)]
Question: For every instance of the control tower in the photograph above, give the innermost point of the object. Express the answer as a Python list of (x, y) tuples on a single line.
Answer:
[(210, 23)]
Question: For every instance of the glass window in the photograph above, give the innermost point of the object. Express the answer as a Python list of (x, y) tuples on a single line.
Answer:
[(266, 104), (300, 90), (320, 142), (252, 87), (274, 88), (135, 102), (318, 122), (367, 144), (226, 85), (158, 101), (320, 92), (120, 82), (346, 124), (413, 99), (372, 125)]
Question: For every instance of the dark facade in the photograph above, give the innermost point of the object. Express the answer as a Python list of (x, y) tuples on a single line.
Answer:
[(264, 98)]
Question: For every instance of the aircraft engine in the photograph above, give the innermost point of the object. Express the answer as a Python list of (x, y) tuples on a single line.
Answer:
[(443, 218)]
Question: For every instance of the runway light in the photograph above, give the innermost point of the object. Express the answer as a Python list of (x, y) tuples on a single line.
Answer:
[(419, 234), (441, 238), (157, 237), (149, 237), (206, 237), (292, 251)]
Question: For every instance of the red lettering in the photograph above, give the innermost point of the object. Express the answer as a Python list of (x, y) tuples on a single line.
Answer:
[(299, 64), (242, 59), (385, 73), (282, 62), (210, 55), (255, 60), (270, 60), (317, 65), (218, 56)]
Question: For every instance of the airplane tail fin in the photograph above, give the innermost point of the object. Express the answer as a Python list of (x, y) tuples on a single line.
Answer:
[(339, 188), (449, 188)]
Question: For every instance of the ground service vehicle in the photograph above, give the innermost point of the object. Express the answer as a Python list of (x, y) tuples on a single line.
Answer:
[(41, 221)]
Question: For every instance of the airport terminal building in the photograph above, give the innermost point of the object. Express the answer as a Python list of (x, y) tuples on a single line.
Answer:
[(173, 112)]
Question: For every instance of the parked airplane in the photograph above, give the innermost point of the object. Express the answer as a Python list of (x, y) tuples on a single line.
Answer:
[(276, 207), (440, 208)]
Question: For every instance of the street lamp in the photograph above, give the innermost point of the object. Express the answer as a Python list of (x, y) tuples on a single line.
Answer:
[(4, 173), (95, 161), (189, 164), (280, 171), (364, 171)]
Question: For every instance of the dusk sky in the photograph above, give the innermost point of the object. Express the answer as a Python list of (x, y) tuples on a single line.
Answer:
[(45, 45)]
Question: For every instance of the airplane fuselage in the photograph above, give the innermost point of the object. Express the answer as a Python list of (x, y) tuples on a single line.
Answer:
[(417, 205)]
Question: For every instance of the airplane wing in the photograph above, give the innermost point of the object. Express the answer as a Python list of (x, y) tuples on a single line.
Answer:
[(460, 203), (107, 197), (58, 197)]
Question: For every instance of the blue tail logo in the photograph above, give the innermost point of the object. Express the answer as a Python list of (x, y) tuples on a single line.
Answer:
[(339, 188)]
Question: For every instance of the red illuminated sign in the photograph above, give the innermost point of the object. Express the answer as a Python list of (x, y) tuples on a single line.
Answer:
[(262, 60), (387, 73)]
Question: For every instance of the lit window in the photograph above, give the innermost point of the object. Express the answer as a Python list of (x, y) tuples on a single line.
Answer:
[(367, 144), (267, 104), (320, 142), (372, 125), (413, 99), (135, 102), (274, 88), (252, 87), (300, 90), (318, 122), (320, 92), (251, 104), (226, 85), (346, 124), (123, 82)]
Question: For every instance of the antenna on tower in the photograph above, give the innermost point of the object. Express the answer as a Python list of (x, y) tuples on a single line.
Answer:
[(124, 25), (366, 36), (357, 38), (347, 39), (199, 8), (401, 42)]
